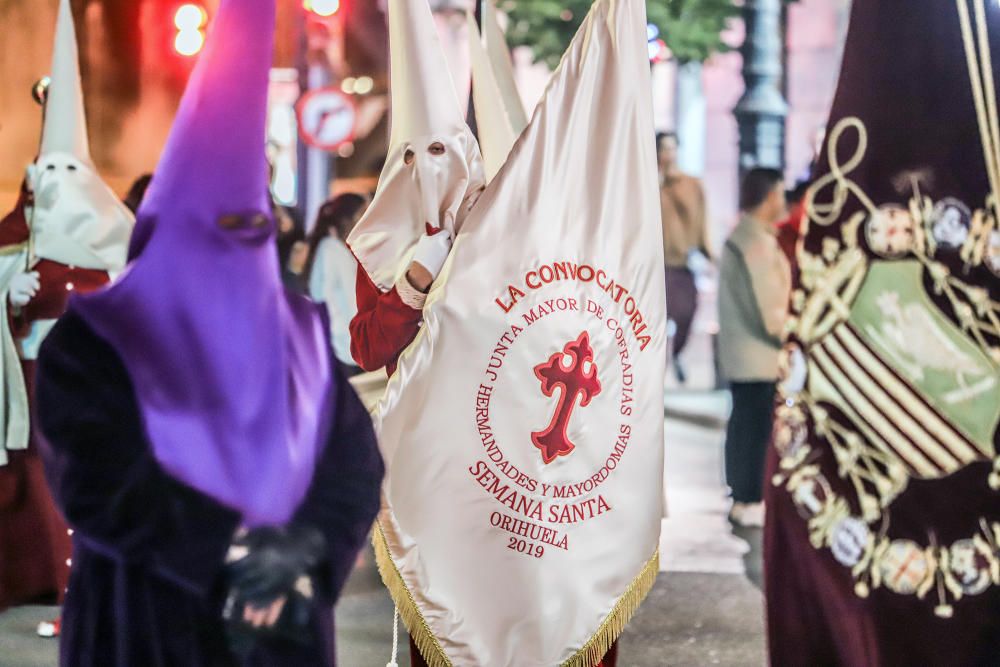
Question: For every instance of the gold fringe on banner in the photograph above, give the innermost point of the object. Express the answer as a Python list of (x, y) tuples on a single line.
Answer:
[(414, 621), (614, 624), (588, 656)]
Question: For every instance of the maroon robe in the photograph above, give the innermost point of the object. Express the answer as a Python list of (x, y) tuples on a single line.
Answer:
[(34, 540), (903, 128)]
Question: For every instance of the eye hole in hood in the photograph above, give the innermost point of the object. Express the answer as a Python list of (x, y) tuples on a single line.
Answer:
[(231, 221), (250, 226)]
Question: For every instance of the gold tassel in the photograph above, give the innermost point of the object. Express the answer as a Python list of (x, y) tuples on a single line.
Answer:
[(414, 621), (588, 656), (595, 649)]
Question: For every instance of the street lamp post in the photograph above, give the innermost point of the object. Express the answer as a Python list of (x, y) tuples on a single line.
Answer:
[(761, 111)]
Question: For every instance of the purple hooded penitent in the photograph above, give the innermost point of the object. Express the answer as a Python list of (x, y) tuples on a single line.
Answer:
[(232, 374)]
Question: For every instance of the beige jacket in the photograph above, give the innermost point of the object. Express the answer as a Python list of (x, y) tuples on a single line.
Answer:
[(682, 210), (754, 290)]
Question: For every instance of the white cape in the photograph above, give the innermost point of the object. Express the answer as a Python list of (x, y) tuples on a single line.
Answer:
[(523, 429)]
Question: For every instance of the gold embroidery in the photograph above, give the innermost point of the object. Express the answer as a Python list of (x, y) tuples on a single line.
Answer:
[(889, 433)]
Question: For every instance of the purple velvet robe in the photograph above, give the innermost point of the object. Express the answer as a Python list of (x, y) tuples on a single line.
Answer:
[(146, 586)]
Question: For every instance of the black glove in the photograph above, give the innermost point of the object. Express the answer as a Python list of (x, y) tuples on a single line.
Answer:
[(277, 562), (293, 626), (277, 558)]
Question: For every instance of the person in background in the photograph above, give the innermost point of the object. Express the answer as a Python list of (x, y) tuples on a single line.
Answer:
[(293, 272), (67, 235), (137, 192), (331, 270), (682, 206), (291, 230), (754, 288), (218, 470)]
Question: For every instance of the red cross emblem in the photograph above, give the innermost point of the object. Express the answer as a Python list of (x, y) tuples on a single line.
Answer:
[(574, 381)]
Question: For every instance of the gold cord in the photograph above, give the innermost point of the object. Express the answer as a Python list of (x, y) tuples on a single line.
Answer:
[(983, 91), (986, 63)]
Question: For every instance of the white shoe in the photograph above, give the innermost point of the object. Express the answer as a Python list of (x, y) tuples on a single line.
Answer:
[(736, 513), (48, 629), (748, 515)]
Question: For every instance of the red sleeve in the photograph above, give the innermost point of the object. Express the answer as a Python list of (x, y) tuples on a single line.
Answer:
[(57, 282), (787, 238), (789, 232), (383, 327)]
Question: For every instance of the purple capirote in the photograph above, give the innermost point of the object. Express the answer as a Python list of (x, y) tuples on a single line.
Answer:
[(231, 372)]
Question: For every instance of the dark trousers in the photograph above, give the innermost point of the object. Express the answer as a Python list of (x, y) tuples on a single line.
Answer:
[(682, 301), (747, 437)]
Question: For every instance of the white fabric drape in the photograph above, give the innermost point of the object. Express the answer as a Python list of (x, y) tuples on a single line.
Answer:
[(14, 413), (523, 429)]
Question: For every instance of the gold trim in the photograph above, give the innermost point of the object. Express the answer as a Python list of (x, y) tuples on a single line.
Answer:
[(985, 111), (414, 621), (13, 249), (588, 656), (598, 646)]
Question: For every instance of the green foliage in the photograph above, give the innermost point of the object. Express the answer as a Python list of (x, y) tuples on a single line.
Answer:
[(691, 28)]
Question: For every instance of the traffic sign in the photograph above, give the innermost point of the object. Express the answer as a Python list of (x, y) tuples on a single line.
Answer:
[(327, 118)]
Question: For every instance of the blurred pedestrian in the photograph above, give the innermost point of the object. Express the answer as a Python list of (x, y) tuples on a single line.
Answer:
[(291, 230), (137, 192), (685, 233), (218, 470), (332, 270), (754, 288), (293, 273)]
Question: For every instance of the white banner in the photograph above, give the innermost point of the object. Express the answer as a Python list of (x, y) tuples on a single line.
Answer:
[(523, 429)]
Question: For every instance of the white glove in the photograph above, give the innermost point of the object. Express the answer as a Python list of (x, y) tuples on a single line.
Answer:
[(23, 288), (432, 250)]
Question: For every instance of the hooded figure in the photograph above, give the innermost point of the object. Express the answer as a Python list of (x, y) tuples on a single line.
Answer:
[(194, 415), (68, 234), (432, 177), (500, 116), (882, 536)]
